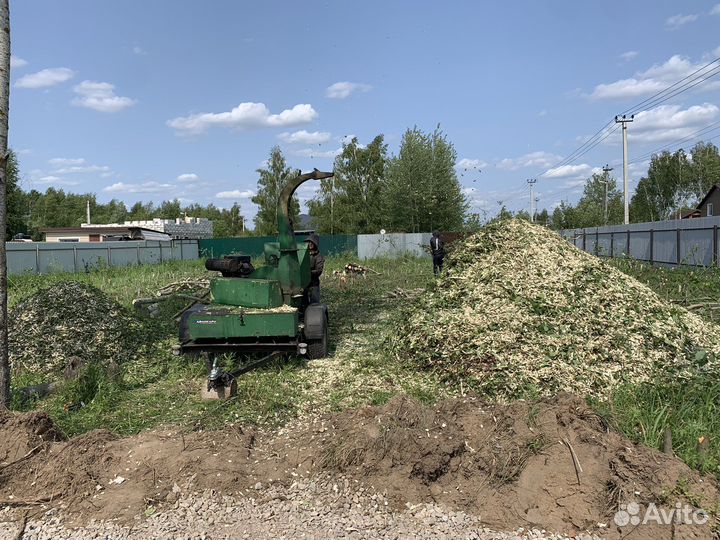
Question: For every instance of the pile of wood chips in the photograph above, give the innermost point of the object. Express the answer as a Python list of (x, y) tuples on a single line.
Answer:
[(70, 319), (520, 309)]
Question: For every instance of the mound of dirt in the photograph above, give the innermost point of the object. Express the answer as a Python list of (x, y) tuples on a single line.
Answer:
[(23, 434), (550, 464), (70, 319), (520, 309)]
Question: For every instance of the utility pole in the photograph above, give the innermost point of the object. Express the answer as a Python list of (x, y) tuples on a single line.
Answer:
[(606, 170), (87, 210), (626, 189), (531, 182)]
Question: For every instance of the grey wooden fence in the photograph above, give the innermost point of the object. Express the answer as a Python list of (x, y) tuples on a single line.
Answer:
[(674, 242), (45, 257)]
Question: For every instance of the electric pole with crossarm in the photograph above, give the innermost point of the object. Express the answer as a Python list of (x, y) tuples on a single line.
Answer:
[(626, 190), (606, 170), (531, 182)]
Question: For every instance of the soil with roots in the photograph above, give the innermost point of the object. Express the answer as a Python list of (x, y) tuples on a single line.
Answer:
[(550, 464)]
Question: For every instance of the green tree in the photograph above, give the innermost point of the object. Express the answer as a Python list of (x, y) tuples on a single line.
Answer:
[(229, 223), (503, 213), (352, 201), (141, 211), (423, 192), (667, 187), (590, 209), (704, 170), (543, 217), (17, 201), (564, 216), (169, 210), (271, 182)]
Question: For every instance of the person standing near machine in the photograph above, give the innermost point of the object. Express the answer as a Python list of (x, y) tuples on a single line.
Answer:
[(437, 248), (317, 264)]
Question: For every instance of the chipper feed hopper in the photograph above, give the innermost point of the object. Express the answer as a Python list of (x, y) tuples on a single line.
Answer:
[(258, 314)]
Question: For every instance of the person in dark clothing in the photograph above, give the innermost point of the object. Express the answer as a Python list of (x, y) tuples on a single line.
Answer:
[(317, 263), (437, 248)]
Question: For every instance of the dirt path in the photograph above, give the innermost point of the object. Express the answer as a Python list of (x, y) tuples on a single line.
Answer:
[(397, 470)]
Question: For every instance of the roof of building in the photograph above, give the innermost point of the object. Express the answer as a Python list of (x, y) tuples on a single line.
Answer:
[(147, 234), (94, 230)]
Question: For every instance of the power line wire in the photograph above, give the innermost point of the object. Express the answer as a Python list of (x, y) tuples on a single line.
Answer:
[(701, 132), (657, 96)]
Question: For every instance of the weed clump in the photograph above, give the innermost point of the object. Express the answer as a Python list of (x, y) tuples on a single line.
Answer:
[(70, 320), (520, 311)]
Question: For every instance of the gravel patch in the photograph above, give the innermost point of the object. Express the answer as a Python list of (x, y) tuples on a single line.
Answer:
[(320, 508)]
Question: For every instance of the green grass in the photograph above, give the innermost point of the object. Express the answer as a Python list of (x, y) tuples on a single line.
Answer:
[(121, 284), (689, 408), (686, 286), (163, 389)]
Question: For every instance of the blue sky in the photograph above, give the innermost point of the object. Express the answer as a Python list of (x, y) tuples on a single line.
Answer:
[(150, 100)]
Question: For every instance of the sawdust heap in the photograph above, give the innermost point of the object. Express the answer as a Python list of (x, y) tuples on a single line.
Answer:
[(520, 308), (70, 319)]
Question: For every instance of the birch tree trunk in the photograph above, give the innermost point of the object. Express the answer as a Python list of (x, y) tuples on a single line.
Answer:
[(4, 110)]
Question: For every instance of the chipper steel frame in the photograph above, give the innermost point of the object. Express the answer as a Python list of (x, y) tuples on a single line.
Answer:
[(261, 312)]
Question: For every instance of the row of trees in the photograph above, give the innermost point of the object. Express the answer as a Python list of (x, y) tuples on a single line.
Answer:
[(417, 190), (674, 184), (29, 212)]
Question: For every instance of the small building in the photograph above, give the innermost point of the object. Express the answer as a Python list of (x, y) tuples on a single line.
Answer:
[(179, 228), (103, 233), (709, 205)]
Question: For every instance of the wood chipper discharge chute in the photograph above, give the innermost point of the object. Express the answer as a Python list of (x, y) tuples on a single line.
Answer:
[(258, 313)]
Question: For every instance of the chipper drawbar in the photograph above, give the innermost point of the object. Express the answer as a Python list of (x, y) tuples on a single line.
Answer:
[(258, 314)]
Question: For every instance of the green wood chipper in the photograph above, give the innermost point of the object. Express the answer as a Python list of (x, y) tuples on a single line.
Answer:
[(258, 314)]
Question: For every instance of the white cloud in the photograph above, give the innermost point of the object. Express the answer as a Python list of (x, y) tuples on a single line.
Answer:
[(56, 180), (341, 90), (542, 113), (45, 78), (144, 187), (236, 194), (17, 62), (466, 163), (570, 171), (82, 169), (715, 10), (76, 165), (533, 159), (100, 96), (188, 177), (670, 122), (676, 21), (629, 55), (246, 115), (305, 137), (656, 78), (315, 153), (139, 51), (63, 162)]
